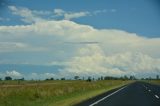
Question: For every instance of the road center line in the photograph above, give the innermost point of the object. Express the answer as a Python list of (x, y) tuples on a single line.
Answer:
[(106, 96), (156, 96)]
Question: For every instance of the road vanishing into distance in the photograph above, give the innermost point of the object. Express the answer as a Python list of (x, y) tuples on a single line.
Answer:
[(135, 94)]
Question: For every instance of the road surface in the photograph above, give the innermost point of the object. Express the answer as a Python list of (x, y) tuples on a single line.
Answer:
[(135, 94)]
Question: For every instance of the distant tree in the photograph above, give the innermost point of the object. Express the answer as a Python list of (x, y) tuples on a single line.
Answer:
[(63, 78), (21, 79), (125, 77), (110, 78), (83, 78), (132, 78), (52, 79), (106, 78), (89, 79), (0, 79), (101, 77), (49, 79), (8, 78), (76, 77), (157, 77)]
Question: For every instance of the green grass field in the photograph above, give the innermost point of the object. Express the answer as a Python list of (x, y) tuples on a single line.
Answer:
[(52, 93)]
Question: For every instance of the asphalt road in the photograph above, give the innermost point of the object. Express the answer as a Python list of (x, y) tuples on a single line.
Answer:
[(135, 94)]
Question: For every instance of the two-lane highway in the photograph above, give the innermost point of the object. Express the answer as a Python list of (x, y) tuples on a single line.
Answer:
[(135, 94)]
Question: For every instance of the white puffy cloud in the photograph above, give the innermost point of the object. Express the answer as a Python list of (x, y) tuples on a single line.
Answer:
[(36, 76), (13, 74), (92, 61), (115, 52), (59, 32)]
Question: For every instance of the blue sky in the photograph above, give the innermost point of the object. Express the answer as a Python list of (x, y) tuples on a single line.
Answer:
[(79, 37), (138, 16)]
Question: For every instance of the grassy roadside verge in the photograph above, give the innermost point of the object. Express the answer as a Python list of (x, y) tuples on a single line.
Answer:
[(54, 93), (156, 82), (79, 97)]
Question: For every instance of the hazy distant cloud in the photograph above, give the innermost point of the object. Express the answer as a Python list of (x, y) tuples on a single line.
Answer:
[(69, 16), (4, 19), (104, 11), (113, 10), (59, 12), (41, 12), (27, 15), (32, 16), (99, 11)]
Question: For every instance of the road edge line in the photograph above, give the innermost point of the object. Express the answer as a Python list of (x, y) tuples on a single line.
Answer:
[(107, 96)]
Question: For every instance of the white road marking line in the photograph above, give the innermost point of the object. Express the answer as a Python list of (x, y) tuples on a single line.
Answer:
[(156, 96), (106, 97)]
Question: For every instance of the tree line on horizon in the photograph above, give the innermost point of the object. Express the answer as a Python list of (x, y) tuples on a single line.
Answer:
[(125, 77)]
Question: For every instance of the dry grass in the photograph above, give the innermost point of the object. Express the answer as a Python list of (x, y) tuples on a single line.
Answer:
[(157, 82), (52, 93)]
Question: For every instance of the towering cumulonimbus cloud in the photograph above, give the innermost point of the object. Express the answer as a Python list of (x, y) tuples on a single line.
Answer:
[(82, 49)]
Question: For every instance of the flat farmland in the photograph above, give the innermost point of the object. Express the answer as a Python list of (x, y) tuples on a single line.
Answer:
[(53, 93)]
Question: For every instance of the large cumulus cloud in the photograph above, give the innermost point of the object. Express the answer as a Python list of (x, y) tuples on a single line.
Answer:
[(82, 49)]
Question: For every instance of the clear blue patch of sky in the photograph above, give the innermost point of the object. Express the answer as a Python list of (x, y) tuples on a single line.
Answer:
[(28, 69)]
